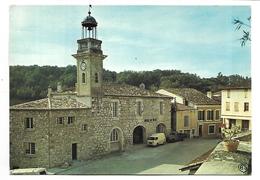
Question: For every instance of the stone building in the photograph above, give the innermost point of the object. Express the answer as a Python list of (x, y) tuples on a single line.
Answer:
[(95, 119), (207, 110)]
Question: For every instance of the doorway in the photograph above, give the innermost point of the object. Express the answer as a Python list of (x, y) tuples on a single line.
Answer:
[(232, 122), (245, 125), (200, 130), (138, 135), (74, 151), (161, 128)]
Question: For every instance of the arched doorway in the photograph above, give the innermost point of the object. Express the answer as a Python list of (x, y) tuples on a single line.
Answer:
[(139, 135), (116, 140), (161, 128)]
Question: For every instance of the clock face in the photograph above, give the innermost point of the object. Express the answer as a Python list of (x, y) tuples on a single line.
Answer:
[(83, 66)]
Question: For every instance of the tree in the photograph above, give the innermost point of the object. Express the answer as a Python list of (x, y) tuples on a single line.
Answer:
[(245, 27)]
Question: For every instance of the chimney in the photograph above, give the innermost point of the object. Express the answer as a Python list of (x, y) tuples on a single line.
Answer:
[(59, 87), (142, 86), (209, 94)]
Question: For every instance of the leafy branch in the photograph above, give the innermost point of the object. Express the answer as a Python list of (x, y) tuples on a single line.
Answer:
[(246, 33)]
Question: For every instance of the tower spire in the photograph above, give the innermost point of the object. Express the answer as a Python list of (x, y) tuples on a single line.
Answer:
[(89, 26)]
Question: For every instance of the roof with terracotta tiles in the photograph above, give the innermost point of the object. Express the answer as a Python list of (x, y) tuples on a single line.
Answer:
[(55, 102), (69, 100), (194, 96)]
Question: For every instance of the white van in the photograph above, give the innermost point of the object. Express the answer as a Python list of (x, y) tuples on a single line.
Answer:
[(29, 171), (156, 139)]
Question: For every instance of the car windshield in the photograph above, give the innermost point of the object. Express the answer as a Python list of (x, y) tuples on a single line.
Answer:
[(152, 138)]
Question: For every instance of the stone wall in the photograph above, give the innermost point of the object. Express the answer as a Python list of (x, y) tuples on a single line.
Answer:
[(54, 141)]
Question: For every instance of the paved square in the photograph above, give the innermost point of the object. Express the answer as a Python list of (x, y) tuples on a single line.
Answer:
[(165, 159)]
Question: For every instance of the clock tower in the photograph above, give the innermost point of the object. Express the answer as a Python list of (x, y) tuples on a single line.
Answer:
[(89, 60)]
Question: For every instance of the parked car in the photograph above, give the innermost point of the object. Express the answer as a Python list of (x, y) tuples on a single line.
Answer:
[(30, 171), (156, 139), (175, 136)]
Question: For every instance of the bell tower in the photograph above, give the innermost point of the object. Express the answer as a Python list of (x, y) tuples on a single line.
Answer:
[(89, 59)]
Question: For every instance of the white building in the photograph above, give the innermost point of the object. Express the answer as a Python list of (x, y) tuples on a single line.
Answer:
[(236, 107)]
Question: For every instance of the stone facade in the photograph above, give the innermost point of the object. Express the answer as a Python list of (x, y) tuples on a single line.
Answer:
[(53, 141)]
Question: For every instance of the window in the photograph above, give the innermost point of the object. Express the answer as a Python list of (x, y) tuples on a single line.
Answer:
[(227, 106), (139, 108), (96, 77), (186, 121), (246, 106), (83, 78), (193, 131), (84, 127), (228, 93), (232, 122), (114, 135), (245, 91), (186, 103), (30, 148), (217, 115), (161, 108), (60, 120), (236, 104), (28, 123), (71, 119), (211, 129), (201, 115), (114, 109), (210, 114)]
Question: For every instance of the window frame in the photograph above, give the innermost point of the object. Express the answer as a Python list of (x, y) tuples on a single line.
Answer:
[(210, 115), (228, 93), (71, 120), (29, 123), (139, 108), (96, 77), (246, 106), (114, 135), (214, 128), (115, 109), (236, 106), (217, 117), (201, 112), (161, 108), (186, 121), (246, 93), (30, 148), (227, 106), (84, 127), (60, 119), (83, 78)]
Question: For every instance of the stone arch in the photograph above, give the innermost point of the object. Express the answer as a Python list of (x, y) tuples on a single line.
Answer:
[(139, 135), (161, 128), (116, 139)]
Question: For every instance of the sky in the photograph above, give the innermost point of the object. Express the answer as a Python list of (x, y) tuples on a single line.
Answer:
[(195, 39)]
